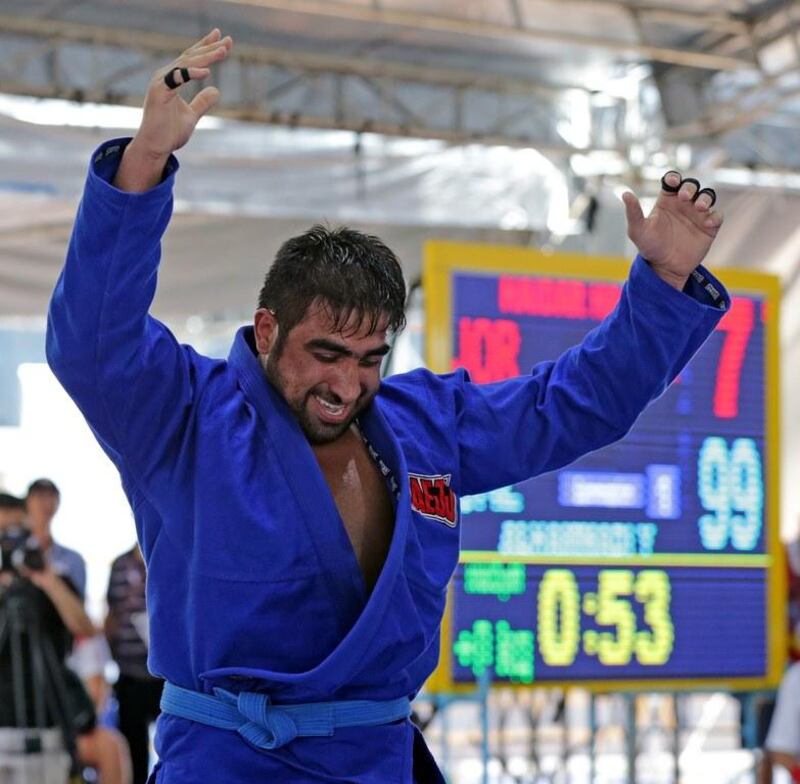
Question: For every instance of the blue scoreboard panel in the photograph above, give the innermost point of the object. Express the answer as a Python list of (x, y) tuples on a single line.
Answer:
[(652, 563)]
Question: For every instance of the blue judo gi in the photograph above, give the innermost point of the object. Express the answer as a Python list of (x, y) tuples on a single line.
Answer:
[(252, 582)]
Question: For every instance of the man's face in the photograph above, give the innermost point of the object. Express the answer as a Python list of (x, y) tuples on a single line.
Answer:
[(326, 376), (42, 506)]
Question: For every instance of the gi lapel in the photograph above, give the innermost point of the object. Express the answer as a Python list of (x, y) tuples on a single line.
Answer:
[(320, 521), (323, 525)]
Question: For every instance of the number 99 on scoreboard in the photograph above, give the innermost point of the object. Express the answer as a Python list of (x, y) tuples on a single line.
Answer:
[(652, 563)]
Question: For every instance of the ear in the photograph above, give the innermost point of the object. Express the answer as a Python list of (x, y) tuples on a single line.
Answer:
[(266, 330)]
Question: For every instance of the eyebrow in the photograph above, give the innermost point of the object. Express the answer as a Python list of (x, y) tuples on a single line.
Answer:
[(329, 345)]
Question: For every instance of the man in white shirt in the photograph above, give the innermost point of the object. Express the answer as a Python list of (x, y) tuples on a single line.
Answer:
[(782, 746)]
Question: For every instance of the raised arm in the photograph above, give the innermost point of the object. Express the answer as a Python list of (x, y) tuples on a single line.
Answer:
[(123, 368), (592, 394)]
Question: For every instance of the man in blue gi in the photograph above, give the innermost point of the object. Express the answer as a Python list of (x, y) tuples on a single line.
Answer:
[(295, 583)]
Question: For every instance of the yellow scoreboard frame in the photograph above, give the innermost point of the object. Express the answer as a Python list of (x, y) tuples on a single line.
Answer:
[(440, 260)]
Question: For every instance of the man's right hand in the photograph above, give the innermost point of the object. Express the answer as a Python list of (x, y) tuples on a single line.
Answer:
[(169, 121)]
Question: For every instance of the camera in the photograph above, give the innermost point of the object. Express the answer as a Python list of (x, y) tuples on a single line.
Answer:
[(20, 548)]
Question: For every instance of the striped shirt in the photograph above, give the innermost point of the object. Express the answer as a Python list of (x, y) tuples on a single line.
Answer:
[(128, 611)]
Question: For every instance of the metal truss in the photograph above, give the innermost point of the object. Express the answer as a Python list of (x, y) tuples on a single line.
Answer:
[(520, 28), (729, 102), (725, 83), (56, 59)]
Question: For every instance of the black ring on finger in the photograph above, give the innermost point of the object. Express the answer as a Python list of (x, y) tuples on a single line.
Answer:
[(711, 193), (169, 78), (694, 182), (665, 186)]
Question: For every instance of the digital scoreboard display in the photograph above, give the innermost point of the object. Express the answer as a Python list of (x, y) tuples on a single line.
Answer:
[(652, 563)]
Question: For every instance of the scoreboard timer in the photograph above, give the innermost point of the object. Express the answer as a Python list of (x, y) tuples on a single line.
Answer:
[(651, 563)]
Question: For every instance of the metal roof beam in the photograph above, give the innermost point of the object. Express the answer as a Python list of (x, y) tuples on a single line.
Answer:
[(265, 85), (665, 14), (461, 26), (70, 32), (755, 102)]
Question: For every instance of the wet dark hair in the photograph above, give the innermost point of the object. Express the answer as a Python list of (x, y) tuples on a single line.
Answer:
[(347, 271), (8, 501), (43, 486)]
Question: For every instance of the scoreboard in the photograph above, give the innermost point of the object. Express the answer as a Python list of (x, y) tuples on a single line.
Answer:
[(652, 563)]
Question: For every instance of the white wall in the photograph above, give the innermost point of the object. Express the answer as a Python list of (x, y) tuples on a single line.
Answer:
[(54, 441)]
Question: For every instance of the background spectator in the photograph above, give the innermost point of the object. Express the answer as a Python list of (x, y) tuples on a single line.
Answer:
[(138, 692), (793, 562), (12, 511), (42, 503), (782, 746)]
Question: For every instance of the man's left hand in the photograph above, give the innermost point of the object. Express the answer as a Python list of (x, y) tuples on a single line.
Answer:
[(677, 234)]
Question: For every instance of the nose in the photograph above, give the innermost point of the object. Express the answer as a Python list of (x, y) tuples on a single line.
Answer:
[(347, 384)]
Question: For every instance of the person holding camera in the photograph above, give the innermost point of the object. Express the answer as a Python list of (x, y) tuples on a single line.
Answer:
[(42, 503), (25, 558), (40, 701), (44, 609)]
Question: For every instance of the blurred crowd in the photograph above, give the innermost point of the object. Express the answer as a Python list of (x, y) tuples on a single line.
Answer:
[(59, 671)]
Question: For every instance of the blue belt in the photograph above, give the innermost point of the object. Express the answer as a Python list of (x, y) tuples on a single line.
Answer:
[(270, 726)]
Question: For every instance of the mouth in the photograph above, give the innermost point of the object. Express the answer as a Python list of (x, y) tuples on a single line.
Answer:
[(331, 413)]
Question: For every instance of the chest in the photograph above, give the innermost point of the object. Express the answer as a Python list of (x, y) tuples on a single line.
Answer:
[(269, 505), (362, 499)]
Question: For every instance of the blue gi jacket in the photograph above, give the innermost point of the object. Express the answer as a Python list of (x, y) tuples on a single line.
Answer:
[(252, 582)]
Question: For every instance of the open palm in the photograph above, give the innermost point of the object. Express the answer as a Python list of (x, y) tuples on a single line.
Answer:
[(679, 231), (169, 120)]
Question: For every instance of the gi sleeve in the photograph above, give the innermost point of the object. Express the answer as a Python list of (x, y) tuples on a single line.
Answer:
[(590, 396), (124, 369)]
